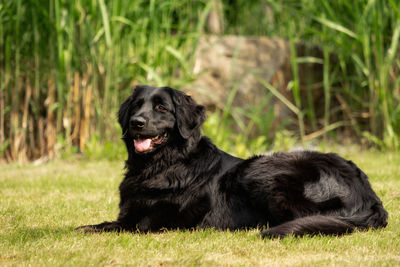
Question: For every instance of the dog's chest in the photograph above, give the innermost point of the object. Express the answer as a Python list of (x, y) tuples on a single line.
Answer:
[(170, 183)]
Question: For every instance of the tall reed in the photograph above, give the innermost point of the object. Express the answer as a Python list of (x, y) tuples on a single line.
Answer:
[(65, 65), (364, 35), (81, 58)]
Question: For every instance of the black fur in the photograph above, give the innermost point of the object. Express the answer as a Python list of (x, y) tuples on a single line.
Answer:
[(186, 182)]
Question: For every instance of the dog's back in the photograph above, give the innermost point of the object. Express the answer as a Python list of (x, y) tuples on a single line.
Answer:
[(311, 192)]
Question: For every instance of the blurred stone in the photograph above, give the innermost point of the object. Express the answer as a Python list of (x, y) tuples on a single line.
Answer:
[(226, 63)]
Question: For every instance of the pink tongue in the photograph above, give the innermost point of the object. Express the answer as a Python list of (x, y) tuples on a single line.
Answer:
[(142, 145)]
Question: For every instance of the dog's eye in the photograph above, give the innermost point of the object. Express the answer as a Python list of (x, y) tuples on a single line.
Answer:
[(160, 107)]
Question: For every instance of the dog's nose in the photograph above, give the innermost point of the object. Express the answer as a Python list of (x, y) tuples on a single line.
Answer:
[(137, 122)]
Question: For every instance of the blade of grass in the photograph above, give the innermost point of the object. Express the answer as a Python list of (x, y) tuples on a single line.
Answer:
[(337, 27), (106, 22), (278, 95)]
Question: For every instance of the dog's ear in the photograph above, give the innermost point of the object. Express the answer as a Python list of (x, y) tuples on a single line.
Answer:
[(124, 112), (189, 115)]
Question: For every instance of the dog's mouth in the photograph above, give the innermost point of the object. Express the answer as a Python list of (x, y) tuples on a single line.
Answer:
[(145, 144)]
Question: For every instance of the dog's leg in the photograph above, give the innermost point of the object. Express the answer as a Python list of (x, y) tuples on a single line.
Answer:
[(311, 225), (102, 227)]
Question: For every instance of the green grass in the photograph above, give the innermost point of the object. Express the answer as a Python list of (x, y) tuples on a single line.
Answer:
[(41, 205)]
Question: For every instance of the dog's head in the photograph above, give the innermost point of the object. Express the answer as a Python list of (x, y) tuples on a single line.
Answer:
[(154, 116)]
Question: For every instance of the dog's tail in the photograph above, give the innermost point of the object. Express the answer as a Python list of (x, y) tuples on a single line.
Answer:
[(375, 218), (311, 225)]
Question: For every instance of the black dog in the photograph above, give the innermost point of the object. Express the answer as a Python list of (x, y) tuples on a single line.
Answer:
[(177, 178)]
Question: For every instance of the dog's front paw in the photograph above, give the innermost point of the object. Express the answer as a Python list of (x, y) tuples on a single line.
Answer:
[(102, 227), (87, 229), (272, 233)]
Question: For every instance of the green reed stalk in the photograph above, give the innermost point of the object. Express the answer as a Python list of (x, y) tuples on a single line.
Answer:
[(60, 69), (327, 87), (296, 84)]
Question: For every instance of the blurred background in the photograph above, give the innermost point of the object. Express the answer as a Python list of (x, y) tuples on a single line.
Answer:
[(274, 74)]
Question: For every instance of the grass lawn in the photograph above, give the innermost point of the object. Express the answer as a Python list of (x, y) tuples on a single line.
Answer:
[(41, 205)]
